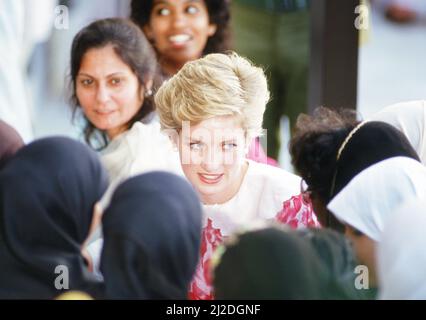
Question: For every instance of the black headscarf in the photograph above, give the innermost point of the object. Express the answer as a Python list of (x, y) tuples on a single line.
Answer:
[(47, 195), (10, 142), (373, 142), (152, 232), (269, 264)]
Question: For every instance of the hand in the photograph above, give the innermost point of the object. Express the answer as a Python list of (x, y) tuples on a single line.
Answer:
[(96, 222)]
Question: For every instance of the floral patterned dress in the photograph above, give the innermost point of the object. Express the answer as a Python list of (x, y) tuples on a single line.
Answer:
[(260, 198)]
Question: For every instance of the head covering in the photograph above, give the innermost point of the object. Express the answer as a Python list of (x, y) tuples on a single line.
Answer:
[(337, 255), (402, 255), (368, 144), (410, 118), (10, 142), (269, 264), (152, 234), (376, 192), (47, 195)]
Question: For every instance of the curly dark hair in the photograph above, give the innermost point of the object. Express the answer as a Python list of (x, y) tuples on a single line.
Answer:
[(131, 45), (219, 13), (315, 143), (313, 150)]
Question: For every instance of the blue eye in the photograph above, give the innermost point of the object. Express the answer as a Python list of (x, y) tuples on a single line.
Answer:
[(192, 10), (229, 146), (195, 146)]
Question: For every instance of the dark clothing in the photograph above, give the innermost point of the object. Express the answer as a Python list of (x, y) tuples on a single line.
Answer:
[(47, 196), (275, 35), (336, 254), (270, 264), (152, 234), (277, 5)]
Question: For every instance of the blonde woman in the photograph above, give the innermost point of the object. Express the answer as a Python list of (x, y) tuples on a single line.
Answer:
[(212, 109)]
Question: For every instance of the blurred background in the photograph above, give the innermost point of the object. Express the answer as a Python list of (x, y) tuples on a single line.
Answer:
[(360, 54)]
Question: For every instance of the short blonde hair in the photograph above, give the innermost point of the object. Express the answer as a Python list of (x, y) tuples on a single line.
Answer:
[(216, 85)]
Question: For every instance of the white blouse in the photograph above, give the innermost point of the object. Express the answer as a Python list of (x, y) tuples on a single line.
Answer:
[(141, 149), (261, 197)]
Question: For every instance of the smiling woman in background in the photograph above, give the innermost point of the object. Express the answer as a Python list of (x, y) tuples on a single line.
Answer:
[(182, 30)]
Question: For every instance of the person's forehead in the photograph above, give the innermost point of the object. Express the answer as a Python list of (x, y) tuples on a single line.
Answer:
[(174, 2), (227, 126), (105, 59), (215, 132)]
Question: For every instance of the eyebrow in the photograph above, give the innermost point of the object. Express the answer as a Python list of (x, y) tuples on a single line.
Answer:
[(230, 141), (196, 140), (168, 2), (159, 2), (193, 140), (82, 74)]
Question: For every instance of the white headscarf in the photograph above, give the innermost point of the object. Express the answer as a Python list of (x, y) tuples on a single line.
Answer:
[(410, 118), (377, 191), (402, 255)]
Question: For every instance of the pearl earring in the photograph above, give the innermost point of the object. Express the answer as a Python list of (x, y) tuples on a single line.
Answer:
[(148, 93)]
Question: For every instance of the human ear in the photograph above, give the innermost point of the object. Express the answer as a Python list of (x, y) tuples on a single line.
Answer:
[(146, 89), (212, 29), (175, 139)]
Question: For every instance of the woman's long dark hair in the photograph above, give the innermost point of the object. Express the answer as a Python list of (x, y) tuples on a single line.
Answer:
[(132, 47)]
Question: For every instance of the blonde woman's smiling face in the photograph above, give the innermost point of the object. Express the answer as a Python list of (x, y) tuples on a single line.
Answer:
[(212, 154)]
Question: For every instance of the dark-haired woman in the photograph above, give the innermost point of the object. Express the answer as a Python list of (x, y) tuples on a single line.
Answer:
[(113, 74)]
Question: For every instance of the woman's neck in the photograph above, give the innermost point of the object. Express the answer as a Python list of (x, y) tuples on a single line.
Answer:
[(115, 132)]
